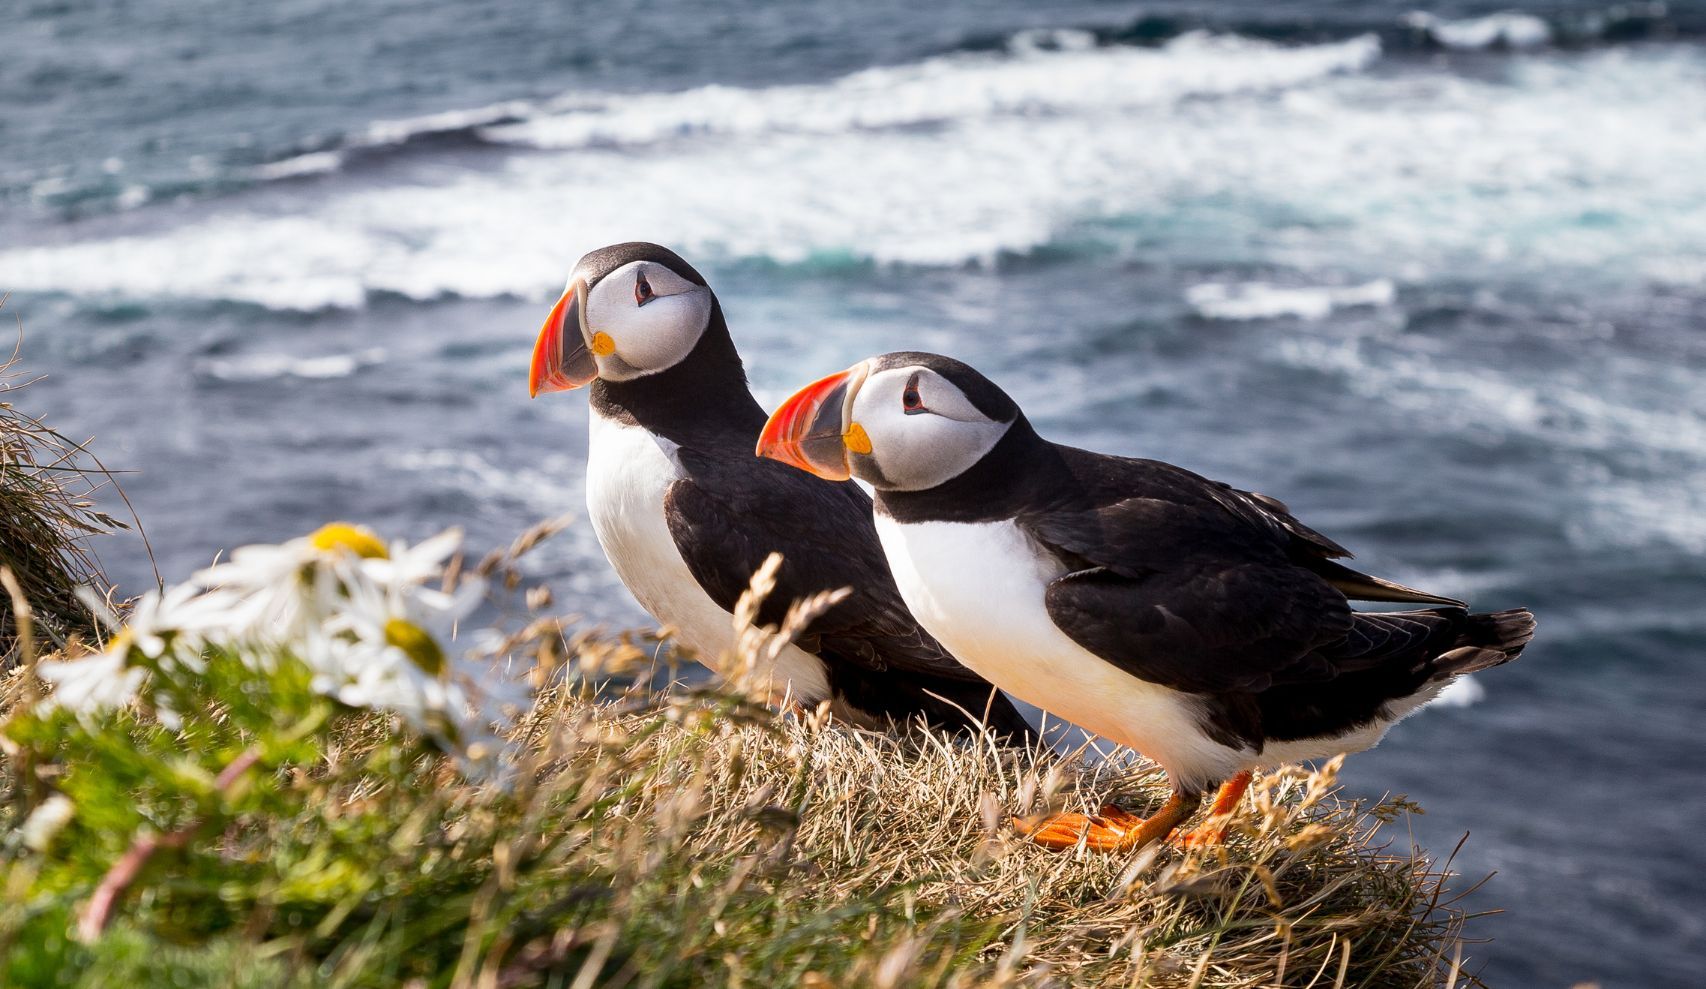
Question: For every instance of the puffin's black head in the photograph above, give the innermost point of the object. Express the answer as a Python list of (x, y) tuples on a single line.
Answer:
[(902, 422), (630, 310)]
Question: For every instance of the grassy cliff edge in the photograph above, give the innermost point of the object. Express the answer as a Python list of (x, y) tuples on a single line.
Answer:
[(245, 830)]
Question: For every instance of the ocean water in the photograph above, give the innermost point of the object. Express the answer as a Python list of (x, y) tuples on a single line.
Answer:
[(1437, 279)]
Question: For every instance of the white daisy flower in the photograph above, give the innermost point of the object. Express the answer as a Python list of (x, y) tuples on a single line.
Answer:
[(357, 612), (406, 565), (286, 588), (45, 822), (88, 684)]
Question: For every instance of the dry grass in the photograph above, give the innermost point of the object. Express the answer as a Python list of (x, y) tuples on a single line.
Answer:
[(46, 517), (1302, 894)]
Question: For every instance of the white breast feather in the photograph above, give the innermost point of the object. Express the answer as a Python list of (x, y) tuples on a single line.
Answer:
[(629, 471), (978, 588)]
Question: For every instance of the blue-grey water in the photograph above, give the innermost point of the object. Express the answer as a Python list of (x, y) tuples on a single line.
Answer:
[(1438, 281)]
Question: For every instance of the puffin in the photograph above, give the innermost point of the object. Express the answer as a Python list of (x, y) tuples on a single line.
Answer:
[(1202, 625), (685, 513)]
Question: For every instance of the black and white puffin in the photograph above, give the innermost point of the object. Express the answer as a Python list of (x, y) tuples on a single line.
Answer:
[(686, 514), (1201, 625)]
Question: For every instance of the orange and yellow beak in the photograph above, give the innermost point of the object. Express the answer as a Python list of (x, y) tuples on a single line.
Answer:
[(563, 355), (814, 429)]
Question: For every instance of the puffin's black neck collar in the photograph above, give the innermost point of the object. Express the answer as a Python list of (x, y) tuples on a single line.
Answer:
[(1022, 472), (702, 397)]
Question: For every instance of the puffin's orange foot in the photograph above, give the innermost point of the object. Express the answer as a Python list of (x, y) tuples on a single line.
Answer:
[(1213, 831), (1206, 836), (1110, 830), (1062, 831)]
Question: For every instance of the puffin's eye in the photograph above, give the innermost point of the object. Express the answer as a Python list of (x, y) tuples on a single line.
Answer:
[(910, 401), (642, 289)]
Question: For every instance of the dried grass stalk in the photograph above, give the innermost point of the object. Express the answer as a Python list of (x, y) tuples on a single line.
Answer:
[(47, 483)]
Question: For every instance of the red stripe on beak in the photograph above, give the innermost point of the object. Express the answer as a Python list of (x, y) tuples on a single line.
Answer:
[(561, 360), (807, 430)]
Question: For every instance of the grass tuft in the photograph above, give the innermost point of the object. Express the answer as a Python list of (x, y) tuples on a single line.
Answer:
[(46, 517)]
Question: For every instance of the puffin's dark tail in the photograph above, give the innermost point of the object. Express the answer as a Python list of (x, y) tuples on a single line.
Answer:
[(1485, 641)]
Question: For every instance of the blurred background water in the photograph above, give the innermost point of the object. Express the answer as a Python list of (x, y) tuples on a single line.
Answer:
[(1437, 280)]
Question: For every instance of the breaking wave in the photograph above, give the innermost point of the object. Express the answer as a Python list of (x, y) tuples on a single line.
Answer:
[(917, 164), (1275, 152), (265, 366), (1261, 300), (858, 100)]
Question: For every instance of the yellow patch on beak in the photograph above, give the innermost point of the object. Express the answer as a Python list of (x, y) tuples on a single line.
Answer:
[(856, 440), (602, 345)]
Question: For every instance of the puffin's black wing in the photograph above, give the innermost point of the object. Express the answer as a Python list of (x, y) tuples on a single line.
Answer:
[(827, 541), (1207, 617), (1188, 583), (1311, 549)]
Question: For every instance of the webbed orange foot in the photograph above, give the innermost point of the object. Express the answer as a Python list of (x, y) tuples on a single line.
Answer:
[(1204, 836), (1213, 831), (1061, 831), (1110, 830)]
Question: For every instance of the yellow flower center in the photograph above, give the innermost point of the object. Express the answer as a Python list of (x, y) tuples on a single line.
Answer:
[(356, 539), (416, 643), (120, 641)]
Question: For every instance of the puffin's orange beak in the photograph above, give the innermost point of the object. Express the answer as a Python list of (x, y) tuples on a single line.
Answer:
[(814, 429), (561, 358)]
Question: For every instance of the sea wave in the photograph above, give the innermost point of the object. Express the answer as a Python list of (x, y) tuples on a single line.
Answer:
[(576, 118), (1505, 30), (1285, 156), (958, 81), (383, 138), (1418, 30), (268, 366), (1263, 300), (1034, 80), (1038, 71), (787, 173)]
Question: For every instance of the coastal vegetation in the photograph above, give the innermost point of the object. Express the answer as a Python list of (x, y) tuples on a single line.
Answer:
[(314, 765)]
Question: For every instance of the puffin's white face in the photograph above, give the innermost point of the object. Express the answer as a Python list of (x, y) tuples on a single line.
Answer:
[(920, 430), (902, 428), (639, 319), (643, 318)]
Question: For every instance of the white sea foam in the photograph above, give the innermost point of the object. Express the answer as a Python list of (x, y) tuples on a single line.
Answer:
[(1463, 692), (1506, 29), (962, 159), (1026, 143), (1262, 300), (265, 366), (1063, 78), (133, 196), (313, 163)]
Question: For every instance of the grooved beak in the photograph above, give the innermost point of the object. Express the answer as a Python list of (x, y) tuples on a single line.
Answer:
[(561, 358), (814, 429)]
